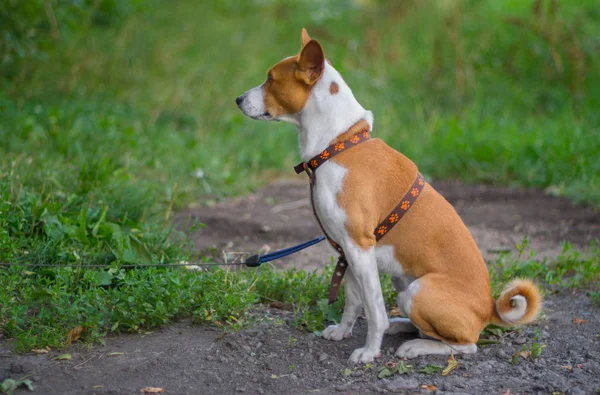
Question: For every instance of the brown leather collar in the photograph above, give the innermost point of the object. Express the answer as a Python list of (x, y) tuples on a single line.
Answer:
[(357, 134)]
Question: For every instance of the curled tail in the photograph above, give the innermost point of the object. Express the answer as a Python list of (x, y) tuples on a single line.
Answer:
[(519, 303)]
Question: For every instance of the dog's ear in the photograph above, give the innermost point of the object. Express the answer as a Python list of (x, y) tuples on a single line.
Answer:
[(311, 63), (305, 37)]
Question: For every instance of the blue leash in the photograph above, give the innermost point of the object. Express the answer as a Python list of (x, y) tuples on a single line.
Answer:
[(253, 261), (257, 260)]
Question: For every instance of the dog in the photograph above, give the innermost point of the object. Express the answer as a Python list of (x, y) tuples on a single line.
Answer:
[(436, 267)]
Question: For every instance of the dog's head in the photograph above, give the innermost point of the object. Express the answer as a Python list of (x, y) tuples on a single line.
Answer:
[(288, 85)]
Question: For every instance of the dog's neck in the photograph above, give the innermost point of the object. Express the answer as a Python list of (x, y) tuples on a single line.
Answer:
[(328, 113)]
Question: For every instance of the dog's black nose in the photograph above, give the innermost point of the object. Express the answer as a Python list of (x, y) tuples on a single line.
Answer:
[(239, 100)]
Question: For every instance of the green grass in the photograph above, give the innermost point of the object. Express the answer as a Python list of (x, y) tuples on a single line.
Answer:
[(42, 306), (123, 121)]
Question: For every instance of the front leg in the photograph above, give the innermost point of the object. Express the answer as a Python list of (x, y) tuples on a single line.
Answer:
[(352, 307), (364, 265)]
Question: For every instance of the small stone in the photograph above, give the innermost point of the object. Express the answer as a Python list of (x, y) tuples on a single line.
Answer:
[(240, 389), (247, 348), (261, 391), (251, 332), (16, 368), (520, 340), (576, 391), (323, 357), (502, 354), (310, 337), (399, 384), (210, 358)]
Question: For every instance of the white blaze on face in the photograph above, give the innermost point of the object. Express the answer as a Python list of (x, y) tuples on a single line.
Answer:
[(252, 103)]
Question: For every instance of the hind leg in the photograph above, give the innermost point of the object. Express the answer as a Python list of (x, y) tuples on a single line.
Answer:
[(416, 347), (443, 314), (400, 324)]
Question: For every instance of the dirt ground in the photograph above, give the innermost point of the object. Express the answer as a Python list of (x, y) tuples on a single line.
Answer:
[(274, 358)]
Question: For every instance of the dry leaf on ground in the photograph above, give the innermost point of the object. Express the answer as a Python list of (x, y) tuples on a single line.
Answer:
[(44, 350), (452, 364), (151, 390), (395, 312), (74, 334)]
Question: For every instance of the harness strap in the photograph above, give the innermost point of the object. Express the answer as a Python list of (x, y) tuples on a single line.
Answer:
[(342, 263), (381, 230), (398, 212)]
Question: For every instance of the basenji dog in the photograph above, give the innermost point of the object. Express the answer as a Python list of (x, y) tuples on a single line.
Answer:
[(442, 280)]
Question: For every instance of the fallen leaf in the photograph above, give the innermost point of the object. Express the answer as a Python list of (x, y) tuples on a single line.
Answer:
[(568, 367), (579, 366), (273, 376), (8, 386), (390, 364), (26, 383), (429, 387), (112, 354), (524, 354), (276, 305), (63, 357), (97, 386), (44, 350), (578, 321), (384, 373), (452, 364), (74, 334), (402, 367), (395, 312), (151, 390), (507, 392)]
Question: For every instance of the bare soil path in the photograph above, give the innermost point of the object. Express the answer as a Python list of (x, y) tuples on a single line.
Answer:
[(275, 358)]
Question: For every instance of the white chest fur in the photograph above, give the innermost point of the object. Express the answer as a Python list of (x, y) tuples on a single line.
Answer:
[(330, 178), (330, 182)]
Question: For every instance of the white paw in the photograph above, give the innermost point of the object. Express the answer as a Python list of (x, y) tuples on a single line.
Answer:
[(408, 350), (335, 333), (364, 355), (414, 348)]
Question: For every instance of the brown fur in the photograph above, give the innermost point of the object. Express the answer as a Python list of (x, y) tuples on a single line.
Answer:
[(522, 287), (454, 301), (290, 81), (334, 88)]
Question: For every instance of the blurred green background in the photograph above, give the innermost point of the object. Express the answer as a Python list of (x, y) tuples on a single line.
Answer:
[(115, 112)]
